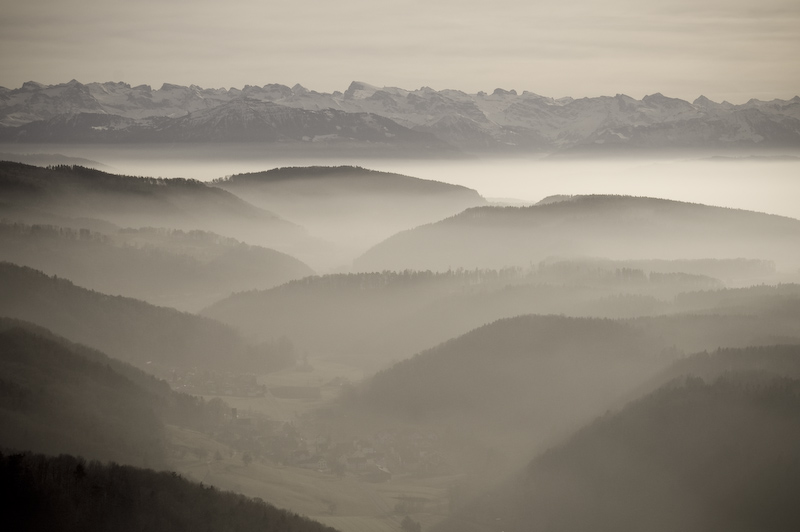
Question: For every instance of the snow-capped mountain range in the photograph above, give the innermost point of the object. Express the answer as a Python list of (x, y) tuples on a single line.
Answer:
[(446, 120)]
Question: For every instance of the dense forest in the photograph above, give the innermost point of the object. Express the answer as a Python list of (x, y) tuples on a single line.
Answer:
[(35, 195), (377, 317), (67, 493), (155, 338), (60, 397), (693, 455), (180, 269)]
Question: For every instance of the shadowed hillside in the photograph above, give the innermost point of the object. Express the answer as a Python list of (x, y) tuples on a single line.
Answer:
[(54, 400), (615, 227), (69, 494), (693, 455), (380, 316), (186, 270), (154, 338), (352, 206), (32, 194)]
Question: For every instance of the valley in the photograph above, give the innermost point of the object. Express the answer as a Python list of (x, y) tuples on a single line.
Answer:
[(375, 351)]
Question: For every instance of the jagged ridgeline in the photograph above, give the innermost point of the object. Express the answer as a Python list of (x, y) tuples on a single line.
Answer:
[(66, 493), (716, 452), (615, 227), (390, 119), (154, 338)]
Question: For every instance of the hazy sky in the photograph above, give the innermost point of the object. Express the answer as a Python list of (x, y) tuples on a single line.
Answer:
[(725, 49)]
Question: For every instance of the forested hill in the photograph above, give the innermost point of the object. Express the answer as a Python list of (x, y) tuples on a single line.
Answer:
[(381, 316), (70, 494), (615, 227), (31, 194), (182, 269), (67, 189), (150, 337), (341, 181), (334, 202), (56, 399), (528, 376), (691, 456)]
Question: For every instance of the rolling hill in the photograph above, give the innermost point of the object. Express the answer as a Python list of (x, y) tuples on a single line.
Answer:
[(68, 493), (55, 401), (153, 338), (372, 318), (349, 205), (181, 269), (36, 195), (614, 227), (713, 453)]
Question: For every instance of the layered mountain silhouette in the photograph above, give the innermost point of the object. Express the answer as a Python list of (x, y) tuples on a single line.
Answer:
[(617, 227), (154, 338), (712, 449), (424, 120), (376, 317), (181, 269), (334, 202), (79, 197)]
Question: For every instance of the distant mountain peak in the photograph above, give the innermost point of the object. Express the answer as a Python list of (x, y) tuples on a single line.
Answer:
[(32, 86), (359, 90), (445, 119), (171, 87)]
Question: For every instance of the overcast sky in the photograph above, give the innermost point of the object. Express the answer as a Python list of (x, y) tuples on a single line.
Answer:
[(725, 49)]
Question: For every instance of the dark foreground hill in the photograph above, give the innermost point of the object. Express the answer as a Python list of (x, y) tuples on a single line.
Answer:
[(61, 397), (68, 494), (154, 338), (516, 384), (350, 205), (181, 269), (615, 227), (54, 400), (693, 455)]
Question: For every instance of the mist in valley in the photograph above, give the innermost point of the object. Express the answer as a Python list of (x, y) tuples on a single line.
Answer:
[(402, 344)]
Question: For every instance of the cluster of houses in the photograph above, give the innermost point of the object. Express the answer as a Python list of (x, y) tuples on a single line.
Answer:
[(217, 383), (375, 458)]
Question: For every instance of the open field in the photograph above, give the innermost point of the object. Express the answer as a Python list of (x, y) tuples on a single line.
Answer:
[(346, 503)]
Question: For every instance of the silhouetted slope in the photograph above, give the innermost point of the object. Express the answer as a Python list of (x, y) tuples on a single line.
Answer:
[(342, 183), (154, 338), (54, 400), (65, 189), (34, 195), (527, 373), (692, 455), (769, 361), (70, 494), (617, 227), (379, 316), (186, 270), (351, 205)]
